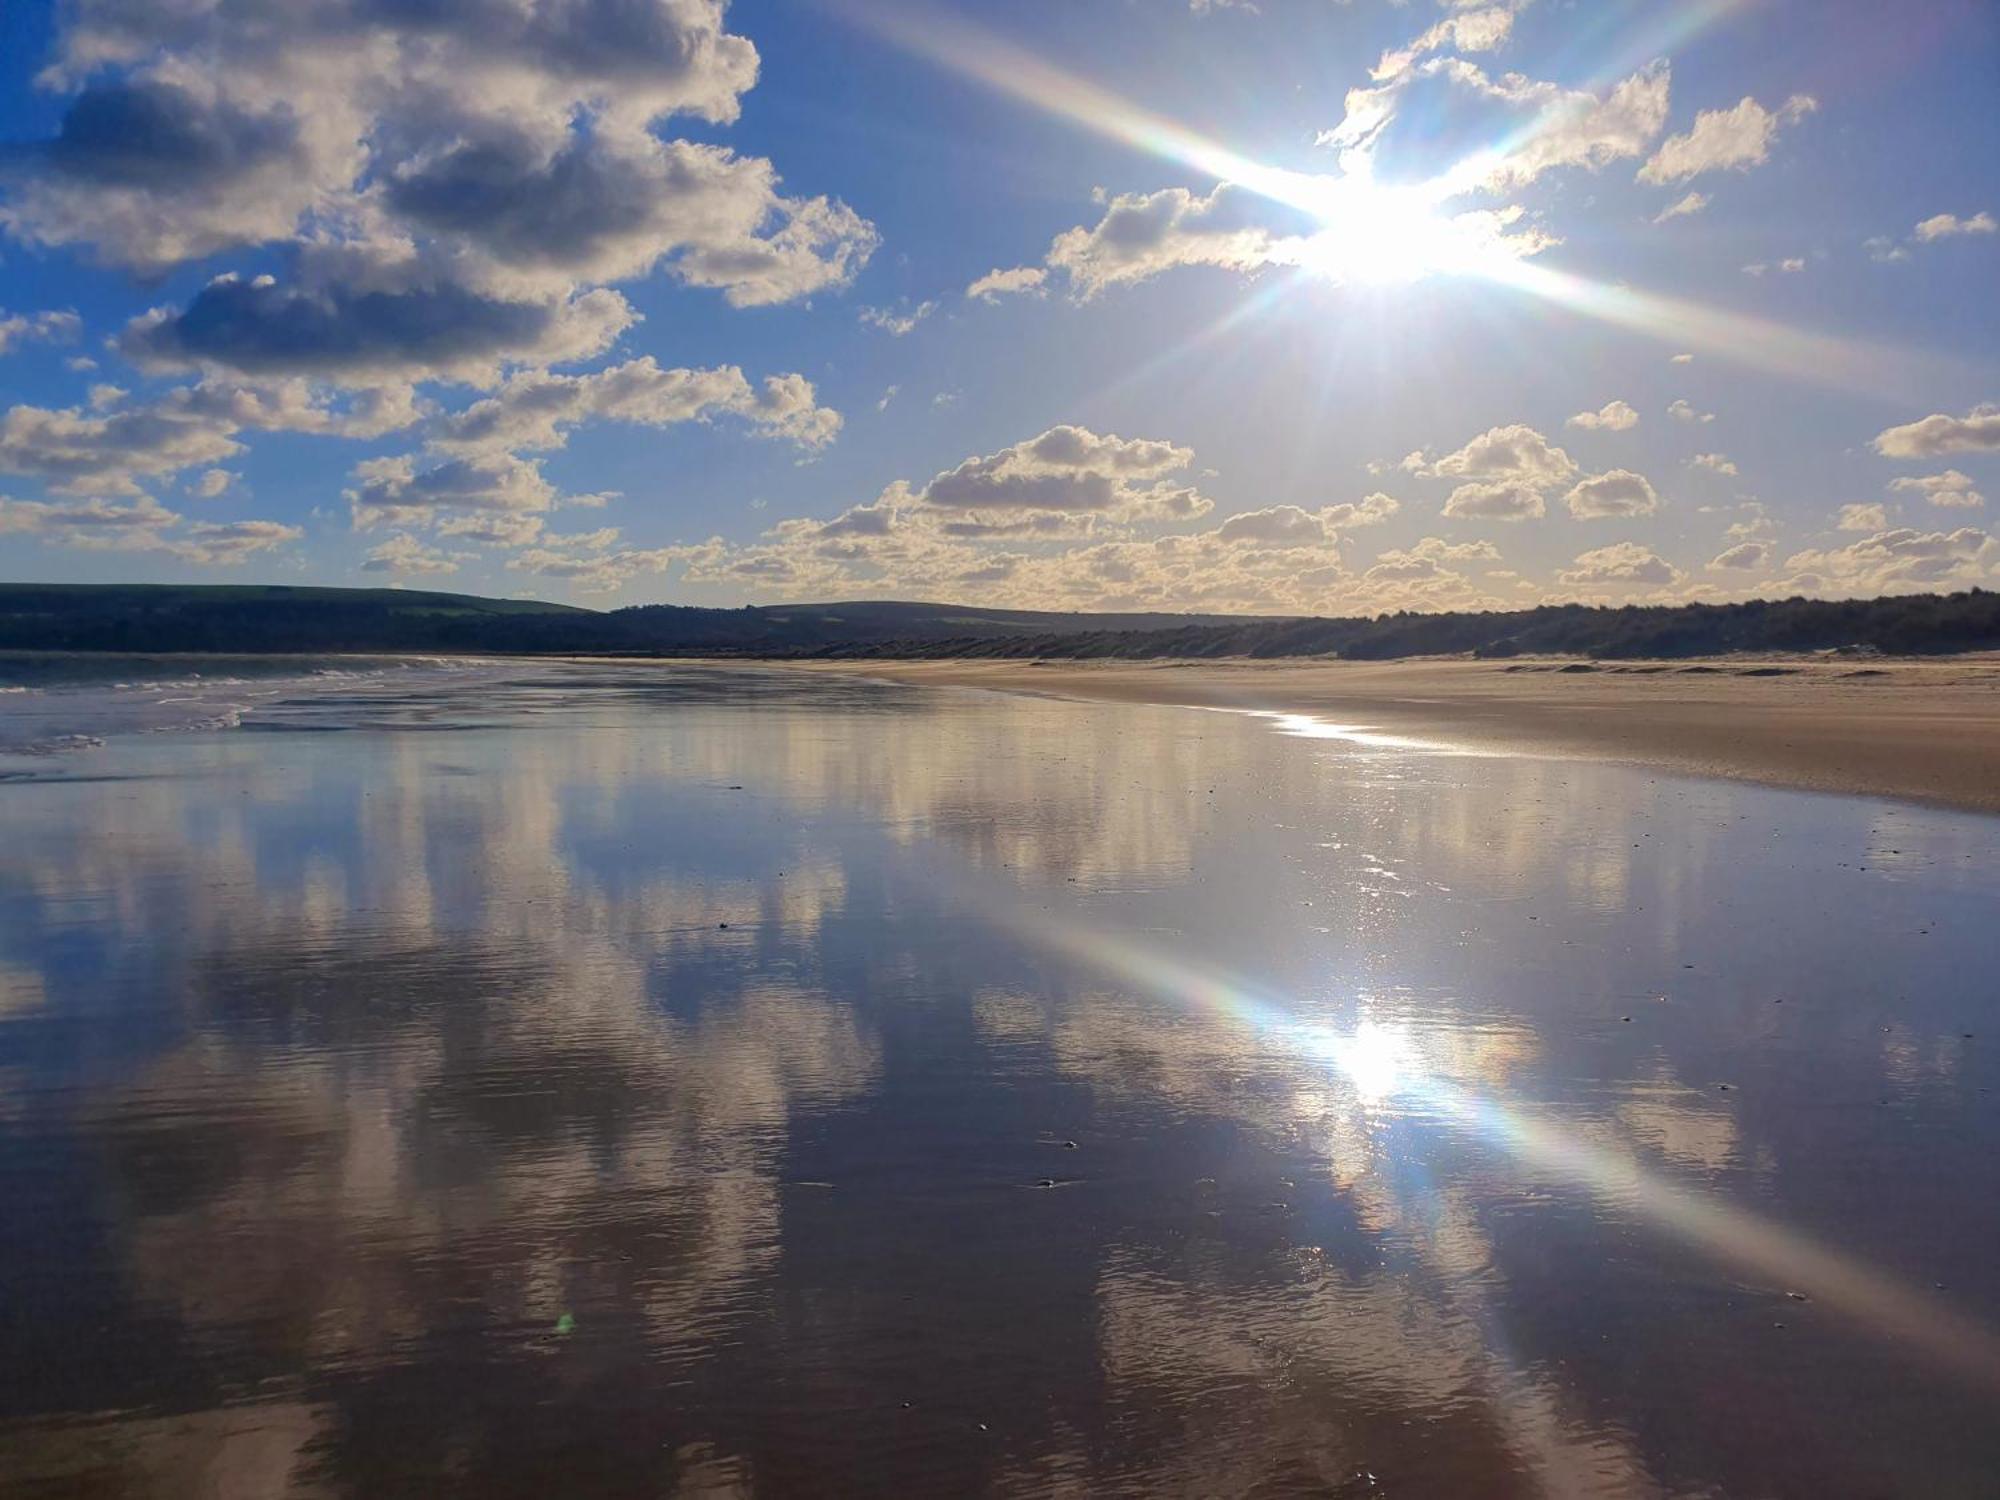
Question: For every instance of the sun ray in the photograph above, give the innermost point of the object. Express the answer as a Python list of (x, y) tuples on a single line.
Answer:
[(1386, 233)]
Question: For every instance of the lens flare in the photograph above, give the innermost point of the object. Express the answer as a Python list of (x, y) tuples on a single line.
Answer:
[(1377, 234), (1383, 1062)]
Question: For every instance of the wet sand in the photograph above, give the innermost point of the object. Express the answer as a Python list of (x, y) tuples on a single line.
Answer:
[(1926, 731), (500, 1080)]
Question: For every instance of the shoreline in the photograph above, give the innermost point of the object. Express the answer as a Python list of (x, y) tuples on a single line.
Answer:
[(1914, 730)]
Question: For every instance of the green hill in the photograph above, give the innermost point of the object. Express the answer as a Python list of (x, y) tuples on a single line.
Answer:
[(276, 618)]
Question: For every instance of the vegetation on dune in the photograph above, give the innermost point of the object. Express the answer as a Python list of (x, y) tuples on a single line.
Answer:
[(84, 617)]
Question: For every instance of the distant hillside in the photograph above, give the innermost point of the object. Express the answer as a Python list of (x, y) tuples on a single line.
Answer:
[(260, 618), (141, 618), (1921, 624)]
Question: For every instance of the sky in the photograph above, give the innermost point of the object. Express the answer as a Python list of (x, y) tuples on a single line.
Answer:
[(1286, 307)]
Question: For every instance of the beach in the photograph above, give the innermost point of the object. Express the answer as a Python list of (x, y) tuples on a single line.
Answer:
[(1920, 730), (503, 1078)]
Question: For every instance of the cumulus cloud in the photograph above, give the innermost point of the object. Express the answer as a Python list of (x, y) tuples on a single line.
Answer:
[(986, 529), (405, 556), (111, 449), (228, 544), (1613, 416), (1012, 282), (1978, 431), (212, 484), (1517, 454), (50, 327), (89, 523), (396, 491), (1507, 472), (1569, 127), (1617, 492), (611, 209), (1495, 501), (1427, 560), (1143, 234), (1478, 29), (1715, 463), (1743, 557), (1899, 561), (595, 570), (455, 184), (141, 525), (1684, 411), (1622, 563), (1946, 226), (357, 318), (1069, 471), (1951, 488), (1292, 526), (535, 410), (1861, 518), (1369, 510), (1734, 139)]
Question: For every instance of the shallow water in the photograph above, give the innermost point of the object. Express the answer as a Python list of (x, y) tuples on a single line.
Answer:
[(522, 1081)]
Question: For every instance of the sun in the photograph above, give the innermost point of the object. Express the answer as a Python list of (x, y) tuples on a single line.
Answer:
[(1384, 235)]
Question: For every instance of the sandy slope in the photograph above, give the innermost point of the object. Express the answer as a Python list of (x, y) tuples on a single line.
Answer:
[(1927, 730)]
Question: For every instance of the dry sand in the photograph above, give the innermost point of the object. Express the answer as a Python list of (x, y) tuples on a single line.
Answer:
[(1923, 730)]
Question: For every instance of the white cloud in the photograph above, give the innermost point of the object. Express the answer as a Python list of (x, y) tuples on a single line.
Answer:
[(228, 544), (1978, 431), (1951, 488), (1620, 563), (1014, 282), (1563, 128), (1744, 556), (1613, 416), (395, 491), (1478, 29), (111, 450), (1618, 492), (1897, 561), (1369, 510), (1507, 469), (1517, 454), (51, 327), (1680, 359), (90, 523), (453, 184), (211, 484), (1715, 463), (142, 525), (1861, 518), (535, 410), (592, 571), (1067, 471), (1143, 234), (1945, 226), (404, 555), (1484, 500), (1683, 411), (1683, 207), (1724, 139), (896, 322)]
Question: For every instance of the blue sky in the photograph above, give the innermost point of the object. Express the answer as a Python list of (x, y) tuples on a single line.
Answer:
[(1306, 307)]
